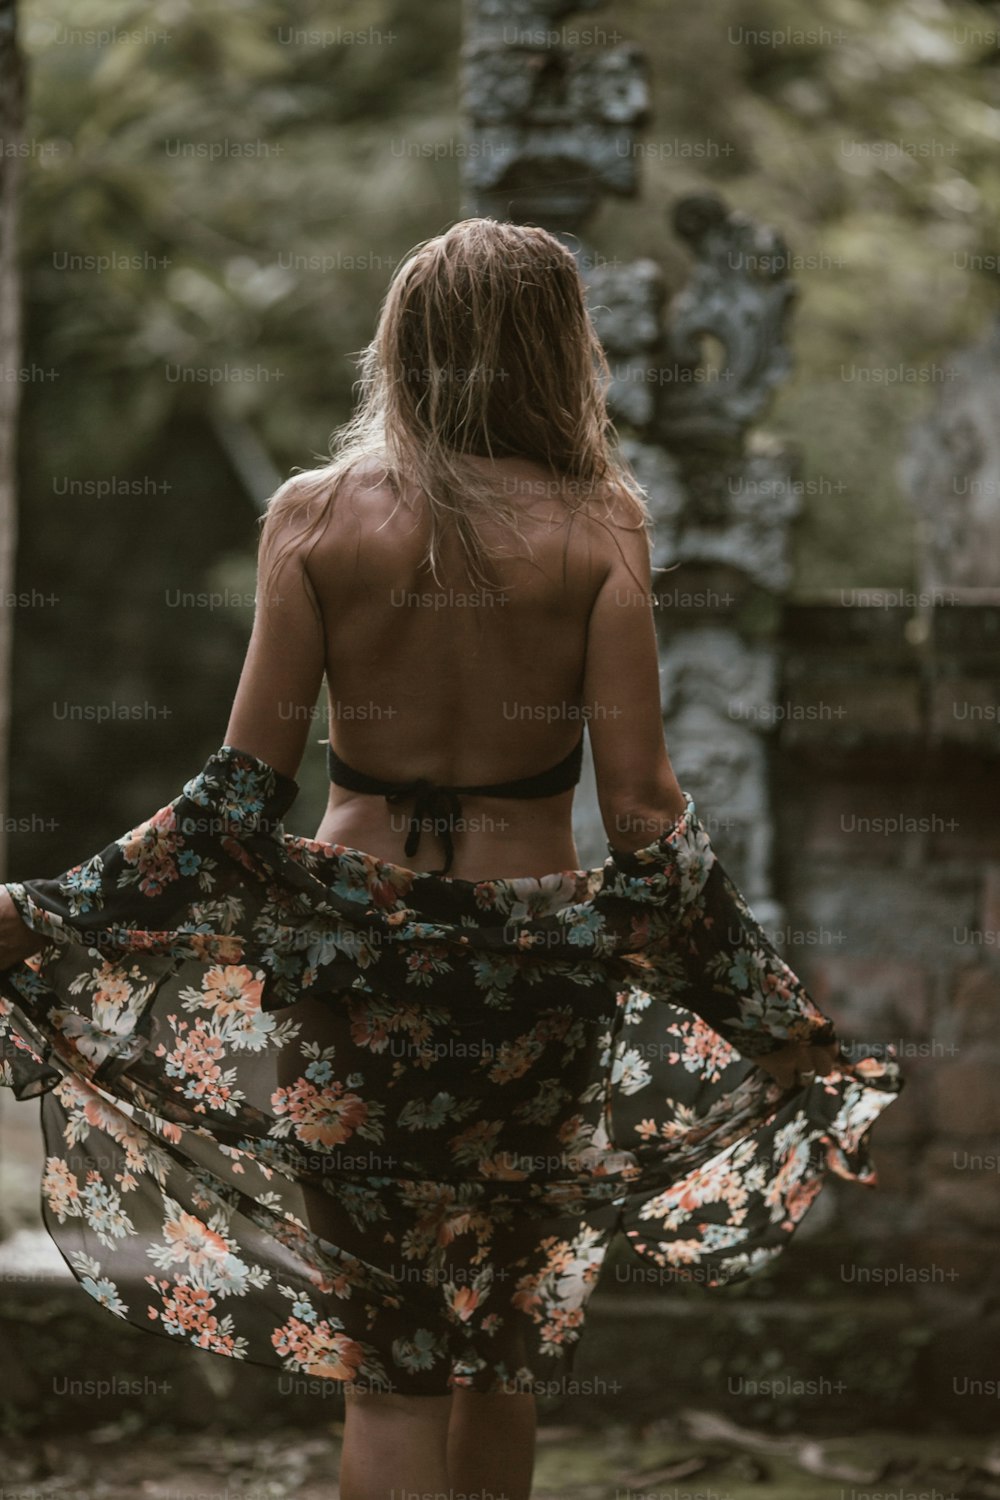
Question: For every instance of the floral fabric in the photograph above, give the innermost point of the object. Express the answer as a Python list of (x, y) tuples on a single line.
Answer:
[(314, 1110)]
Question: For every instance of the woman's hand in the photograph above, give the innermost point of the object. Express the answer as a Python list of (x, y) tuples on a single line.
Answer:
[(17, 940), (788, 1063)]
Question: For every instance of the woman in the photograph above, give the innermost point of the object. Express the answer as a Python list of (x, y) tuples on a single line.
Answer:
[(471, 573)]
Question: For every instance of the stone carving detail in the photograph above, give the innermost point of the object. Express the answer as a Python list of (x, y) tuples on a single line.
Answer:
[(626, 304), (737, 300), (552, 127), (738, 295), (738, 503), (718, 697), (735, 680), (535, 15), (660, 475), (951, 472), (737, 515)]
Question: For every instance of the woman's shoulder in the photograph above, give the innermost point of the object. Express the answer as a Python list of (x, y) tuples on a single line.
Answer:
[(345, 491)]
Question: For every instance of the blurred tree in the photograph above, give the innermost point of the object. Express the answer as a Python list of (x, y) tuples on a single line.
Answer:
[(226, 190), (11, 145)]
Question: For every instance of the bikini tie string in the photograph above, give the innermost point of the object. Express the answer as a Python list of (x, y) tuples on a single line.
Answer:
[(435, 805)]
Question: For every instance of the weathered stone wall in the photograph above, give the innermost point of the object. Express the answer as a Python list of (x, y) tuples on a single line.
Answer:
[(885, 795)]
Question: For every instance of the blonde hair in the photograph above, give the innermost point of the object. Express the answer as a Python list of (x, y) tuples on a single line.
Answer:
[(484, 346)]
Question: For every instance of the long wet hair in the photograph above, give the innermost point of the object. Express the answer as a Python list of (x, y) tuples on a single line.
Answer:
[(484, 346)]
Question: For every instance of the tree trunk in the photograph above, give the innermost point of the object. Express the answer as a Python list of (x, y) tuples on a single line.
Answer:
[(11, 125)]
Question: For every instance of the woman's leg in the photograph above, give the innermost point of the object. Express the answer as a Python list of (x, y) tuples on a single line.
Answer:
[(393, 1443), (491, 1443)]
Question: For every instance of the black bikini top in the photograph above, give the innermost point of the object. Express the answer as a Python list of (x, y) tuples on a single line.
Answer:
[(440, 804)]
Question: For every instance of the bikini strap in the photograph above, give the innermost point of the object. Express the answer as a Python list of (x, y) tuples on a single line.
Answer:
[(439, 803)]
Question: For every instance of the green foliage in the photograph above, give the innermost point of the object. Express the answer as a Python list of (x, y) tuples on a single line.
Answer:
[(793, 112), (270, 255), (866, 132), (240, 182)]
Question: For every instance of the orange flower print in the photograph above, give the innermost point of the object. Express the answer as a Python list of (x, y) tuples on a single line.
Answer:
[(110, 985), (324, 1117), (190, 1313), (703, 1050), (195, 1060), (191, 1308), (152, 848), (191, 1241), (318, 1350), (799, 1198), (232, 990), (527, 1299), (462, 1301), (60, 1188)]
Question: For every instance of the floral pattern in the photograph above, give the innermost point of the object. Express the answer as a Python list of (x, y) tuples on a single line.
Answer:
[(317, 1111)]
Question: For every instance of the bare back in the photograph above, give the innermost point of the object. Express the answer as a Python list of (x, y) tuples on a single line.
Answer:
[(435, 679)]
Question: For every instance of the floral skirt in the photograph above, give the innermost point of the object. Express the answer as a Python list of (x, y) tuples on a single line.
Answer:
[(322, 1113)]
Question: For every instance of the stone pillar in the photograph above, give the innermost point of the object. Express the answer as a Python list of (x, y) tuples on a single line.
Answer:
[(722, 497)]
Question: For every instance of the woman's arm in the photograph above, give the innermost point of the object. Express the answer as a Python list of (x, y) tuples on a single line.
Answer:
[(275, 702), (637, 791)]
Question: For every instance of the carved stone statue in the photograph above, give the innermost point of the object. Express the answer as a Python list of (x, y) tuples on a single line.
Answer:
[(739, 296), (551, 127)]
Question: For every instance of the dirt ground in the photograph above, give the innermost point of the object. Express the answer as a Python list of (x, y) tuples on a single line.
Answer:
[(693, 1456)]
